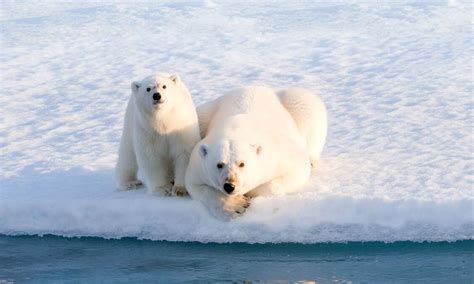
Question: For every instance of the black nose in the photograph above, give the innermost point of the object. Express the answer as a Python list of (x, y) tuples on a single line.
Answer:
[(228, 187), (156, 96)]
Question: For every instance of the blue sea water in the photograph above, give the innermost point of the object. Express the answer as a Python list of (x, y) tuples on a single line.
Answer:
[(65, 260)]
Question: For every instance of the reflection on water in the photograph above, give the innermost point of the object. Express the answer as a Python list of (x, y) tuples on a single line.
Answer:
[(46, 259)]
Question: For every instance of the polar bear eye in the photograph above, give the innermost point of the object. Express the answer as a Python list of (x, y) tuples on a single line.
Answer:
[(148, 89), (164, 87), (242, 164), (220, 165)]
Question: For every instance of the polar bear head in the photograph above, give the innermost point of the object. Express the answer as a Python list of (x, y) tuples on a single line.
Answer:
[(158, 93), (231, 166)]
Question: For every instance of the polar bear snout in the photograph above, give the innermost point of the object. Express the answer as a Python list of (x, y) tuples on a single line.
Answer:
[(156, 98), (229, 187)]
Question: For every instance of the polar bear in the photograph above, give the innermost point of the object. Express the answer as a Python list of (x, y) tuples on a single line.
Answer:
[(160, 130), (252, 145)]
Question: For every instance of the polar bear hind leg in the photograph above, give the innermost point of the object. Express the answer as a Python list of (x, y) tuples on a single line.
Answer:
[(309, 113), (127, 167), (295, 174)]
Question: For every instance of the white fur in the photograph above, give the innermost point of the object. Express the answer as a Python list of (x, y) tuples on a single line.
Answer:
[(309, 113), (158, 136), (252, 126)]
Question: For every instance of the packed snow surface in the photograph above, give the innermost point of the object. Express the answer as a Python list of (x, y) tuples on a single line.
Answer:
[(396, 78)]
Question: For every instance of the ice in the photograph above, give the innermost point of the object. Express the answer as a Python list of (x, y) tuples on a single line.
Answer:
[(396, 79)]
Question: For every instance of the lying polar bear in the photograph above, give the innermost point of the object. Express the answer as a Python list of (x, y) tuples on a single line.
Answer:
[(160, 130), (255, 142)]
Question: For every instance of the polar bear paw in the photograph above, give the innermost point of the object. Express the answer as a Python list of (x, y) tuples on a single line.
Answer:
[(130, 185), (177, 190), (158, 190), (235, 206)]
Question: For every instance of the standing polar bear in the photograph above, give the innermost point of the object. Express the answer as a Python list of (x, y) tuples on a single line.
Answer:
[(160, 130), (255, 142)]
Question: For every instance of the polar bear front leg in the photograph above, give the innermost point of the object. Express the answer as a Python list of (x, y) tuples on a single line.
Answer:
[(285, 183), (219, 205), (157, 178), (294, 175), (180, 164)]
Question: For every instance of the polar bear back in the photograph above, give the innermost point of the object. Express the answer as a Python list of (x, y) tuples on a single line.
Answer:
[(259, 105)]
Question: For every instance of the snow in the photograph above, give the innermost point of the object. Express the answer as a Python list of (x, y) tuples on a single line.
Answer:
[(396, 79)]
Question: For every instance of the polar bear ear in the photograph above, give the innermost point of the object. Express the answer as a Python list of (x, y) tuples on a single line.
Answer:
[(135, 86), (203, 151), (175, 78)]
